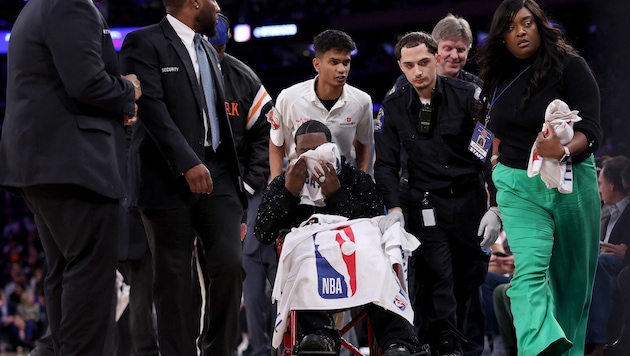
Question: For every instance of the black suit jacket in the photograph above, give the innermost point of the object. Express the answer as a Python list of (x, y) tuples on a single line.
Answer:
[(621, 232), (65, 100), (169, 138)]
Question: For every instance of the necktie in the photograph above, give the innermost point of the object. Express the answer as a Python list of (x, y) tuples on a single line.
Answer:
[(208, 91)]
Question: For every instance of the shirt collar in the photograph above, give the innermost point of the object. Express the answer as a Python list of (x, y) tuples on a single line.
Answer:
[(184, 32), (315, 98), (415, 99), (621, 205)]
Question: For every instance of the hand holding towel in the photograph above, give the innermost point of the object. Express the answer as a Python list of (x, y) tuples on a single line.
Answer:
[(311, 193), (554, 173)]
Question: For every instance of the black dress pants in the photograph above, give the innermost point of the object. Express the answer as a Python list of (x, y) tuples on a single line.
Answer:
[(215, 219), (449, 261), (78, 229), (142, 333)]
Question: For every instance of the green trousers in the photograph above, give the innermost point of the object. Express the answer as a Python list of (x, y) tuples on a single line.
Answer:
[(503, 313), (555, 241)]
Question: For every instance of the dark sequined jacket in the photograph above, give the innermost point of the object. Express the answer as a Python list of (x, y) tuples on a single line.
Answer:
[(280, 210)]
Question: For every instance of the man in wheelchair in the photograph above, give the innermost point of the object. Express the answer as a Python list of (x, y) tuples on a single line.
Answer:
[(322, 182)]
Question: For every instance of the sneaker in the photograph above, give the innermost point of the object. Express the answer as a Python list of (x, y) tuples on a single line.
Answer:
[(317, 342), (396, 350)]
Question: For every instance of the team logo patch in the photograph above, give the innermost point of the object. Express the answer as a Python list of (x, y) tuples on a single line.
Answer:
[(400, 302), (380, 120), (273, 119)]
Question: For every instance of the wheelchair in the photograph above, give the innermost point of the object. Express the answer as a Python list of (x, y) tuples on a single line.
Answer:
[(290, 343)]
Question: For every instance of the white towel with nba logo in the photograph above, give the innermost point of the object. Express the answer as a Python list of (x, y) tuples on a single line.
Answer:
[(334, 263)]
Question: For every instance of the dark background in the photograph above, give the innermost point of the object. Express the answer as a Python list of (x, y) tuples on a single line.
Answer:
[(594, 27)]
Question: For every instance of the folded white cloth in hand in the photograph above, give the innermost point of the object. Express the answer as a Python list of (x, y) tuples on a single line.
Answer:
[(554, 173), (311, 193)]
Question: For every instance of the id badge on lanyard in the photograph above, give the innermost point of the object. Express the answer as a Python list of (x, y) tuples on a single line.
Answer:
[(427, 212), (481, 141)]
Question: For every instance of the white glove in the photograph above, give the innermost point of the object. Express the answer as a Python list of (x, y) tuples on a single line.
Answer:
[(489, 227), (390, 219)]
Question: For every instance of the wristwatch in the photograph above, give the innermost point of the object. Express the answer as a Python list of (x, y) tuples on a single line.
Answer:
[(567, 154)]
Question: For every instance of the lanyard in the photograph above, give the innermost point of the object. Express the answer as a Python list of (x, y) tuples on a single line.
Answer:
[(496, 97)]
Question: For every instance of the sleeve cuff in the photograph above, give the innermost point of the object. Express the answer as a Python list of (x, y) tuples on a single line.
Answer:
[(287, 199), (129, 109)]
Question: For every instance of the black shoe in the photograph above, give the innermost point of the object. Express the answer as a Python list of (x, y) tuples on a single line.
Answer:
[(449, 347), (317, 342), (396, 350), (450, 353)]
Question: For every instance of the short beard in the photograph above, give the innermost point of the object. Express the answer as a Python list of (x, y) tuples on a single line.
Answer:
[(205, 28)]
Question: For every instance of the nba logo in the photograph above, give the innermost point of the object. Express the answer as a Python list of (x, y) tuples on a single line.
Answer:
[(400, 303), (335, 283)]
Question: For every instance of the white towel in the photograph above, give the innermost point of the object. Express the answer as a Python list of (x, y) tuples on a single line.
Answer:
[(554, 173), (335, 264), (311, 193)]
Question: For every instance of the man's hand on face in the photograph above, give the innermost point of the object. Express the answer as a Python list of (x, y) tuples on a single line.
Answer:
[(327, 179), (295, 177)]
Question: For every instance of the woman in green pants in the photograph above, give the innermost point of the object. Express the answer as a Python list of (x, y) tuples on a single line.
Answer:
[(525, 65)]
